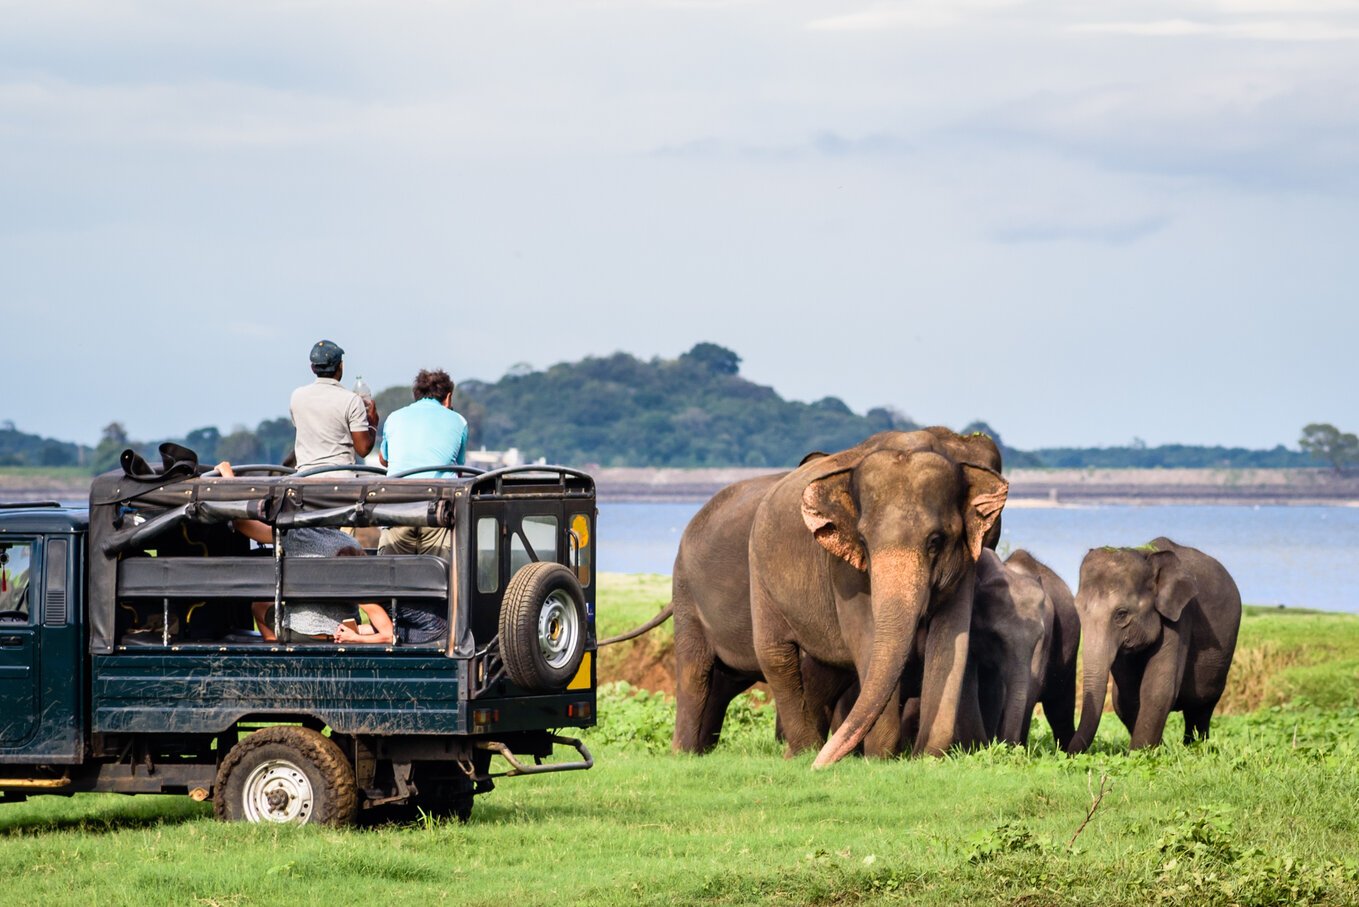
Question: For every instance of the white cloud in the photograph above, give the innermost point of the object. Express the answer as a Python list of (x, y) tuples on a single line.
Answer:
[(917, 14), (1252, 31), (1284, 7)]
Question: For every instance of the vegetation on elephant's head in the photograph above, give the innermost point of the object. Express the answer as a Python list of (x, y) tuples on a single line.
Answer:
[(1146, 548)]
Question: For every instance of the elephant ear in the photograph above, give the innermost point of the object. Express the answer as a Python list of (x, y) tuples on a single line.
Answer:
[(1175, 588), (986, 493), (829, 510)]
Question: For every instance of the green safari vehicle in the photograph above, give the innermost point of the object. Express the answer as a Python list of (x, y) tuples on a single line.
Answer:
[(130, 659)]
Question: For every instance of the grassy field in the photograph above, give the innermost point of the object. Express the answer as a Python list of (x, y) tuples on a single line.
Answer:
[(1267, 812)]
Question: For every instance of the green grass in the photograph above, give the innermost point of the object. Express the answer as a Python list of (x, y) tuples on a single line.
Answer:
[(1267, 812), (1294, 654), (629, 600), (60, 473)]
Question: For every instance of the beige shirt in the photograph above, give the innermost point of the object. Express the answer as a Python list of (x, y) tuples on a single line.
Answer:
[(325, 412)]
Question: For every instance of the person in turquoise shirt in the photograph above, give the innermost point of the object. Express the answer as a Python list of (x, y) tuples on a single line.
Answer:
[(428, 432)]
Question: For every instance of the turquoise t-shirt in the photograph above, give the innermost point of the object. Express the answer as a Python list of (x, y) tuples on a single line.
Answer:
[(423, 434)]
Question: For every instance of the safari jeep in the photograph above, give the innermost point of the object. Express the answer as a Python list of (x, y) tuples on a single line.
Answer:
[(130, 660)]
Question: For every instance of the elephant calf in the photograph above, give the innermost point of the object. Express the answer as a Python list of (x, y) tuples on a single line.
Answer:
[(1161, 620), (1059, 683), (1012, 631)]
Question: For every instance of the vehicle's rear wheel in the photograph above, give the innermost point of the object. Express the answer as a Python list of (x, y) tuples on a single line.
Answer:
[(542, 626), (286, 774), (452, 797)]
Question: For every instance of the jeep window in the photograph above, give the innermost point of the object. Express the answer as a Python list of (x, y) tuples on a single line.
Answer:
[(536, 540), (488, 554), (15, 560), (580, 539)]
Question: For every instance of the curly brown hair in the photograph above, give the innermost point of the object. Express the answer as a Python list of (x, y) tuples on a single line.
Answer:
[(435, 383)]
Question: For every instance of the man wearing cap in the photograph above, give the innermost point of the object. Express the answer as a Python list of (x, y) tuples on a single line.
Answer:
[(335, 426)]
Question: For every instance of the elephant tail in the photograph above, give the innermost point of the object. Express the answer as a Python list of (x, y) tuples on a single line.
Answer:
[(647, 627)]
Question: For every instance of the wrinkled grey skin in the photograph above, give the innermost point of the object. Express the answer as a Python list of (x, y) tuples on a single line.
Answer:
[(714, 646), (1013, 603), (1058, 695), (903, 526), (1161, 621), (1012, 621), (710, 593)]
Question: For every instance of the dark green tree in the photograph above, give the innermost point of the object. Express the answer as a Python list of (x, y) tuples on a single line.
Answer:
[(717, 359), (204, 441), (241, 446), (275, 438), (1329, 444), (112, 442)]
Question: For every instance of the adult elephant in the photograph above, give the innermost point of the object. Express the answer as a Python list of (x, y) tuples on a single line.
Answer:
[(1012, 633), (715, 656), (850, 555), (1059, 683), (1161, 620), (710, 596)]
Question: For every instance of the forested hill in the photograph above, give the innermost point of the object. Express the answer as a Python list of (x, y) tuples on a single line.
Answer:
[(692, 411), (695, 410)]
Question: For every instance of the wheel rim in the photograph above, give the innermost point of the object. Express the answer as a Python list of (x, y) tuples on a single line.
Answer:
[(558, 630), (278, 791)]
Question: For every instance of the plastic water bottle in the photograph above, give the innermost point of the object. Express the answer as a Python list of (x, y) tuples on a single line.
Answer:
[(362, 389)]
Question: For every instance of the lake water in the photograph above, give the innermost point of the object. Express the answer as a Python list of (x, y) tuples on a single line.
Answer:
[(1297, 556)]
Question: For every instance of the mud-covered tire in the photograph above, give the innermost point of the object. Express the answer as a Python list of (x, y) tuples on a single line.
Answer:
[(286, 774), (542, 626)]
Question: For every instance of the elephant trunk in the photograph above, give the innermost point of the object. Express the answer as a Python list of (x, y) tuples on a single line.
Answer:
[(901, 592), (1098, 659), (1018, 704)]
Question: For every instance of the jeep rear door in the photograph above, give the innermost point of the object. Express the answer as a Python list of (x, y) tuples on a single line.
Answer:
[(18, 641)]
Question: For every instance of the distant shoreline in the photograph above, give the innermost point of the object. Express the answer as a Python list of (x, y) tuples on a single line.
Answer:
[(1044, 487), (1029, 488)]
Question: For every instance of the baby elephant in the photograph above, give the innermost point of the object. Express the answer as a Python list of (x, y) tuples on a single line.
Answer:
[(1162, 620), (1059, 684), (1012, 630)]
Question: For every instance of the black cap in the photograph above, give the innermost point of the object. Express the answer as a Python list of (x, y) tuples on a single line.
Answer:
[(326, 354)]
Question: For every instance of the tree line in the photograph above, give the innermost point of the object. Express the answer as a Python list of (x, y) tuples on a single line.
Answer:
[(691, 411)]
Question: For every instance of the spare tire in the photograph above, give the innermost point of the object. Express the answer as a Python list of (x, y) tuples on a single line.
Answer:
[(542, 626)]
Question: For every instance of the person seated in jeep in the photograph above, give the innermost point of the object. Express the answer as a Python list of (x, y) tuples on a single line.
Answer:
[(325, 620), (415, 623)]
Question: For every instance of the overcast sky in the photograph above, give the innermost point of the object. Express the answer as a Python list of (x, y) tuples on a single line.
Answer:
[(1083, 223)]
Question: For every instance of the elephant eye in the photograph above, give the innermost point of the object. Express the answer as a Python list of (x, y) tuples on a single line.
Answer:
[(934, 543), (1121, 615)]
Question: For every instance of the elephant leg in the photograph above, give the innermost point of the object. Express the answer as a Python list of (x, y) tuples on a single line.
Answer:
[(1126, 689), (781, 662), (695, 663), (1059, 705), (990, 699), (945, 683), (910, 719), (1159, 689), (1196, 720), (822, 688), (724, 685)]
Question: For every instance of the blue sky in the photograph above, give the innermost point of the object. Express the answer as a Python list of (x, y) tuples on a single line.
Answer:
[(1083, 223)]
